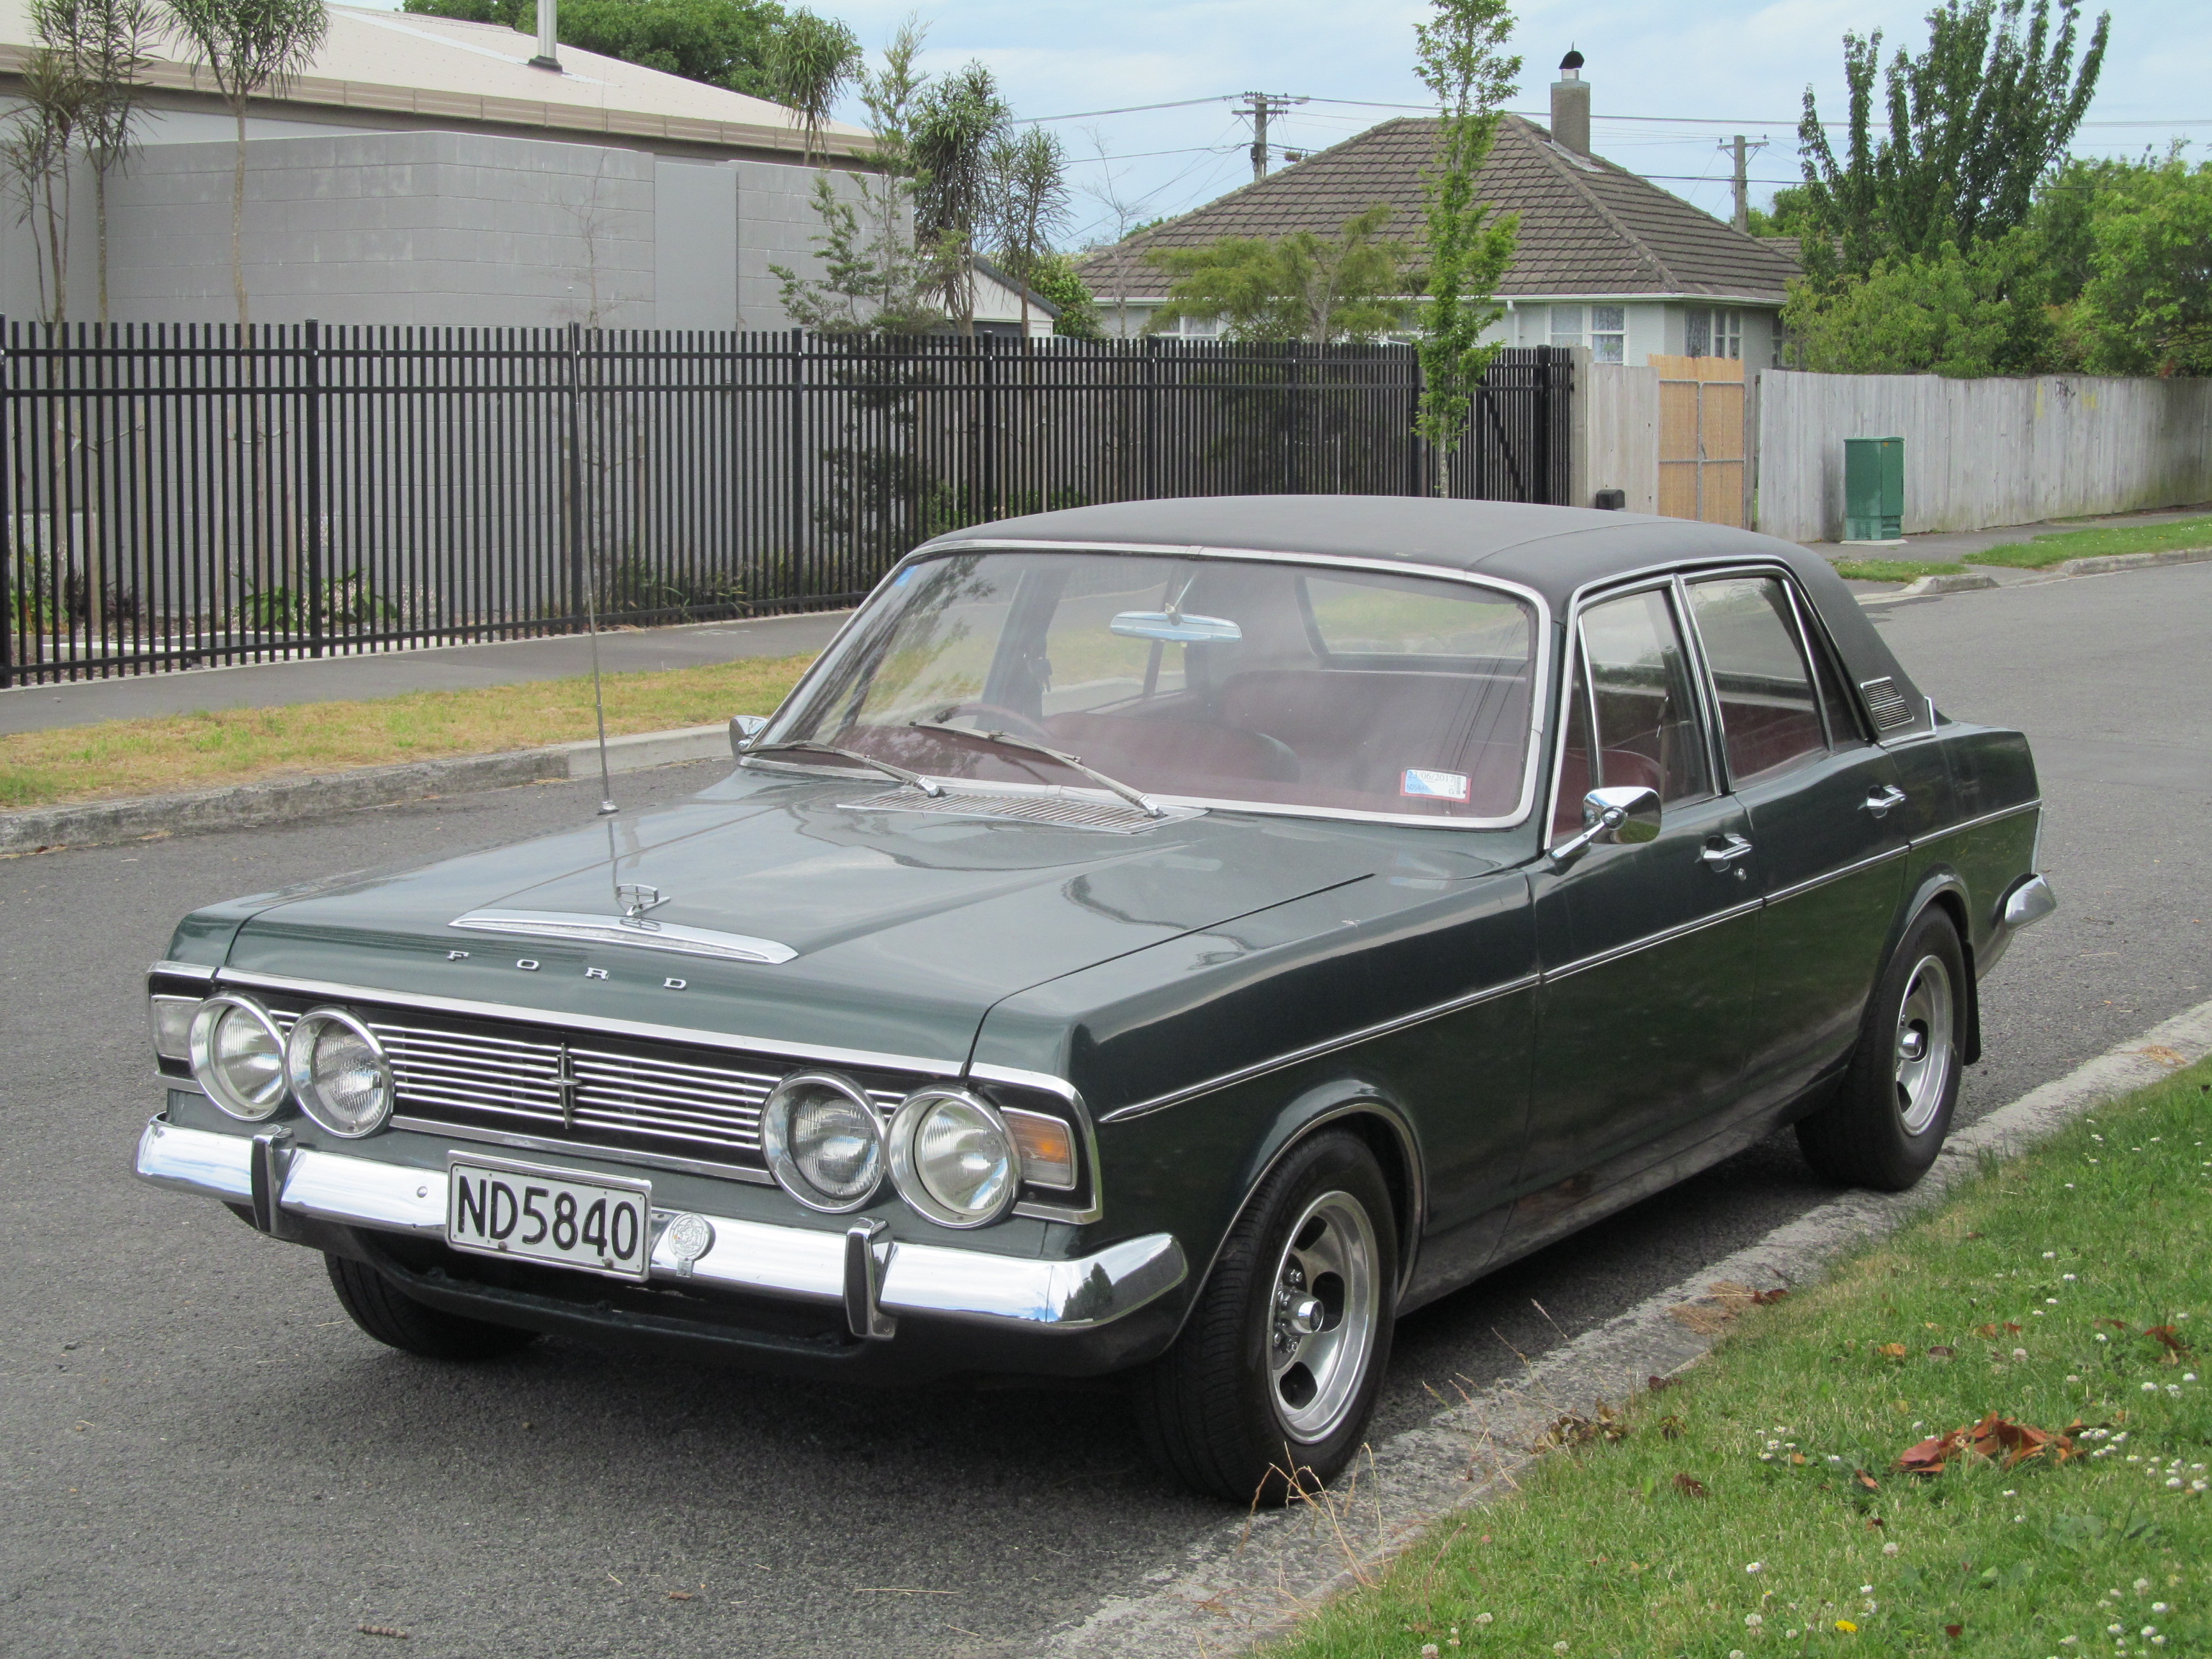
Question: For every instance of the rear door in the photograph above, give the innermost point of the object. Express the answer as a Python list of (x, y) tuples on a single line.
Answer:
[(1827, 815), (1648, 949)]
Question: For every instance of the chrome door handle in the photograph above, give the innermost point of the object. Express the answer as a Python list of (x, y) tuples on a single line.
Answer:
[(1883, 799), (1732, 847)]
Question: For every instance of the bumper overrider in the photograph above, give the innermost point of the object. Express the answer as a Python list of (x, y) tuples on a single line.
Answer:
[(952, 1309)]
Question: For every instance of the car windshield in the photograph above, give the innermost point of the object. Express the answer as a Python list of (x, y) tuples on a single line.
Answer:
[(1202, 680)]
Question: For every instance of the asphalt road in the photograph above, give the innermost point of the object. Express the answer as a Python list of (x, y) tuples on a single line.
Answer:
[(203, 1457)]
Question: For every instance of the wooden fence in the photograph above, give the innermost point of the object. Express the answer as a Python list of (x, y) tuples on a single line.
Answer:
[(1982, 452)]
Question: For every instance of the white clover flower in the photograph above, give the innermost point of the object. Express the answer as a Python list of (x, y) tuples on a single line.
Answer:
[(1753, 1621), (2020, 1353), (1866, 1589), (2140, 1585), (2050, 1255), (1890, 1548), (2102, 1337), (1559, 1647), (2174, 1482), (2052, 1300), (1429, 1650), (2159, 1607), (2188, 1376), (2147, 1629), (1483, 1618), (2070, 1377), (1755, 1566), (2068, 1277), (2150, 1387)]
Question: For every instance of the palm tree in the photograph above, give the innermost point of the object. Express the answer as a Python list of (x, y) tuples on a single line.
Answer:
[(958, 124), (809, 60)]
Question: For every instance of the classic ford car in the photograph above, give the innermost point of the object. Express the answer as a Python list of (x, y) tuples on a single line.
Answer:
[(1175, 937)]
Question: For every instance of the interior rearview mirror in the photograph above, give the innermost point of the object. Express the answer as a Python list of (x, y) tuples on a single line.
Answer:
[(744, 728), (1622, 814), (1173, 627)]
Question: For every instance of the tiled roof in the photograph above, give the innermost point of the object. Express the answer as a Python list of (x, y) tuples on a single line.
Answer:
[(1587, 227)]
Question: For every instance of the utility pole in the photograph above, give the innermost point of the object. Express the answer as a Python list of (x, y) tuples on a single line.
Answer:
[(1742, 221), (1258, 105)]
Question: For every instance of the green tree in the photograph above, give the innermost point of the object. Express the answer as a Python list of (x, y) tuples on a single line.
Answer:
[(1029, 206), (958, 123), (42, 131), (2146, 307), (1461, 58), (249, 47), (102, 47), (1352, 286), (1788, 216), (809, 60), (877, 277), (1974, 123), (1054, 276), (1967, 313), (723, 43)]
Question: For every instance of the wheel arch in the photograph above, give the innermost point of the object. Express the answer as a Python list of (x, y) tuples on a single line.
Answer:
[(1944, 889)]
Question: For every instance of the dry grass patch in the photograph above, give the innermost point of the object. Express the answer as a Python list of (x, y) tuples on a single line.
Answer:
[(239, 745)]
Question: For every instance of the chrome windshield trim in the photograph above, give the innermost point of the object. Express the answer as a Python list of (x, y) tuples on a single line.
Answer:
[(944, 1281), (1540, 659), (639, 1030), (640, 932), (1680, 930), (1313, 1051), (1838, 874), (2014, 810)]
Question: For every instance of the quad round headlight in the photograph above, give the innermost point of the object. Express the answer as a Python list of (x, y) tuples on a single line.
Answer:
[(338, 1072), (824, 1141), (953, 1158), (238, 1056)]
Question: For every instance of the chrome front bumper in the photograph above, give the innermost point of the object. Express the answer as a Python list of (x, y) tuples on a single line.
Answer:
[(876, 1281)]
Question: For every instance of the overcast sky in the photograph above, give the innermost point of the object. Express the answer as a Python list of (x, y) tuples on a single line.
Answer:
[(1721, 67)]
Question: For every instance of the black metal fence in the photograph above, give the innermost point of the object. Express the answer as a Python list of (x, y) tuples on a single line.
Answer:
[(173, 496)]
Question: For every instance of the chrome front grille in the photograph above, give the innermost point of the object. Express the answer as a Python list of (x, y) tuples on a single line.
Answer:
[(696, 1103)]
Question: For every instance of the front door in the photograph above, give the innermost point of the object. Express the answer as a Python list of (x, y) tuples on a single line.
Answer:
[(1827, 815), (1646, 949)]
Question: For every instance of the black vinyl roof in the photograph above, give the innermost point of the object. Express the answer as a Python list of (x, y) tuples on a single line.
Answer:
[(1555, 550)]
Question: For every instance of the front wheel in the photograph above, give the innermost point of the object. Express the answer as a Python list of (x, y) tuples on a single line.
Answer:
[(1887, 1122), (1272, 1382)]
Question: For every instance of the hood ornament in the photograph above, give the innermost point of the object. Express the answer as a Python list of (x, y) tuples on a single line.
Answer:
[(636, 899)]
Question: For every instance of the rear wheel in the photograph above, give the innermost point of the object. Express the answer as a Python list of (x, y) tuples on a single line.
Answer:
[(1887, 1122), (1272, 1382), (399, 1320)]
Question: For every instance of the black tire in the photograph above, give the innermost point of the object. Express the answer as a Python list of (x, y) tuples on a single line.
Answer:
[(1218, 1410), (1887, 1121), (399, 1320)]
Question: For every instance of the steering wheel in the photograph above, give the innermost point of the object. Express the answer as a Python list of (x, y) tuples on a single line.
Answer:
[(1010, 720)]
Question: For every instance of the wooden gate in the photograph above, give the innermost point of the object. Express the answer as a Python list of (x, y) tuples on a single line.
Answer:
[(1701, 439)]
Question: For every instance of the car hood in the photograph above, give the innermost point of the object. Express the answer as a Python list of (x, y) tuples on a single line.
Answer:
[(904, 927)]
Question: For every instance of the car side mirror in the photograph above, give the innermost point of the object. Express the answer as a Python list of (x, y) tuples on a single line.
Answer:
[(744, 728), (1623, 814)]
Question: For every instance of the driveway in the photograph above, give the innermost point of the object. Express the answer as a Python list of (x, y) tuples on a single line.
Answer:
[(203, 1456)]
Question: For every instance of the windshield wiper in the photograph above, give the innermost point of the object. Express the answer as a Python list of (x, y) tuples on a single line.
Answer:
[(915, 779), (1143, 802)]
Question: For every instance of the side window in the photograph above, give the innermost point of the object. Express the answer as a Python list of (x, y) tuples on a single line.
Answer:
[(1844, 730), (1642, 700), (1770, 708)]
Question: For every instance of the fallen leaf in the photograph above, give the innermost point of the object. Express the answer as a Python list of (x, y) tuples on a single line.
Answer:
[(382, 1630), (2163, 1055), (1868, 1481), (1764, 1298), (1671, 1427), (683, 1595), (1690, 1485), (1891, 1351), (1930, 1455), (1873, 1523), (1941, 1351), (1572, 1429), (1985, 1332), (1954, 1631), (1799, 1459), (1658, 1385), (2117, 1324), (2170, 1339), (2012, 1329)]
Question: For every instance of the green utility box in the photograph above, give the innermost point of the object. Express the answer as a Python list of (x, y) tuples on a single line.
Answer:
[(1874, 490)]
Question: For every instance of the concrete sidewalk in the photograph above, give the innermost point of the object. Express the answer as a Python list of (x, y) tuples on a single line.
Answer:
[(390, 673)]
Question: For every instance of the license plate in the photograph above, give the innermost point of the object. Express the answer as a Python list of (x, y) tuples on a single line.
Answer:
[(553, 1215)]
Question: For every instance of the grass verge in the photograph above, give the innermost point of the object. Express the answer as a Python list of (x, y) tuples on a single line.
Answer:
[(239, 745), (1895, 570), (2056, 548), (1757, 1507)]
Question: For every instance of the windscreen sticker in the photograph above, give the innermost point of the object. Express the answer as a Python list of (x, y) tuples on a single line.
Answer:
[(1434, 786)]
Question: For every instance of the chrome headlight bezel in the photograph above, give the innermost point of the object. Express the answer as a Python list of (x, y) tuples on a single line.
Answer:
[(907, 1125), (783, 1164), (201, 1043), (300, 1071)]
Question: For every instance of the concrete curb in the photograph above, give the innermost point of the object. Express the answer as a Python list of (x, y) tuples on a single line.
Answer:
[(1252, 1578), (282, 800), (2099, 566), (1967, 583)]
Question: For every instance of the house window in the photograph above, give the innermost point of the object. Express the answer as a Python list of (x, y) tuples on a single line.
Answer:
[(1609, 334), (1714, 332), (1191, 328), (1566, 326)]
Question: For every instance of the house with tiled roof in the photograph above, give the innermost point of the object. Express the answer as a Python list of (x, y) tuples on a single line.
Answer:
[(1604, 259)]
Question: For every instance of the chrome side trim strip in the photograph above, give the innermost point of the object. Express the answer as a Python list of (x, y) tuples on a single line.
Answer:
[(182, 970), (1313, 1051), (582, 1149), (1681, 930), (1975, 823), (639, 932), (946, 1281), (621, 1028), (1826, 877)]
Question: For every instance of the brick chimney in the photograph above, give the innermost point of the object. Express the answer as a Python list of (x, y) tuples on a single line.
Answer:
[(1570, 107)]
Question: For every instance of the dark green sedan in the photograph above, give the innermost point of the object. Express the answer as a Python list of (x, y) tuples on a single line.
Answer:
[(1174, 939)]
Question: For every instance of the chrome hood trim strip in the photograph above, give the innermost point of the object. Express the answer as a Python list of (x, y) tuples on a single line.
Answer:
[(569, 926)]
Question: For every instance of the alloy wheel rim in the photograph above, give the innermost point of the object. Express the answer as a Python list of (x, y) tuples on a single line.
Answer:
[(1923, 1049), (1322, 1316)]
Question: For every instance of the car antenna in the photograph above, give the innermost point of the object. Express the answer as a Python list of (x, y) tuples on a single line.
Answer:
[(607, 807)]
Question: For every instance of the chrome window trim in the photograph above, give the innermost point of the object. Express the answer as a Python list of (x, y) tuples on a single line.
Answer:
[(1313, 1051), (1539, 663), (1838, 874), (638, 1029)]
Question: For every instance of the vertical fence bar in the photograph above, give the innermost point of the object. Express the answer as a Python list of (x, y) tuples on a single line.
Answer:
[(311, 422)]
